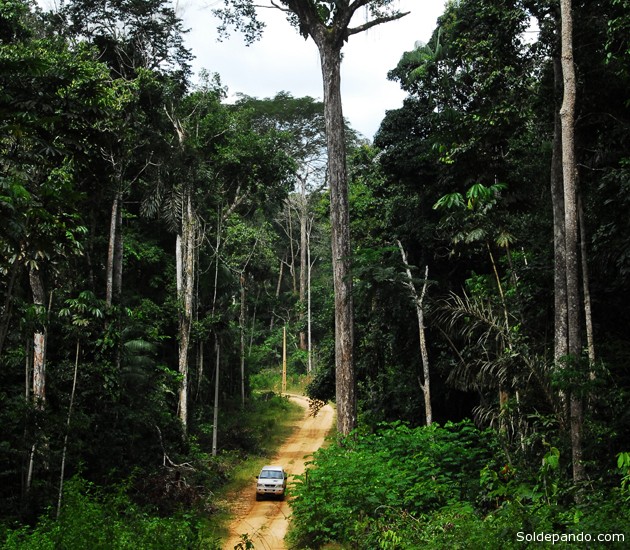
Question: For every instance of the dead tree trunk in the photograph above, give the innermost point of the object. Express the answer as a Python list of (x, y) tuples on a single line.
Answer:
[(418, 299)]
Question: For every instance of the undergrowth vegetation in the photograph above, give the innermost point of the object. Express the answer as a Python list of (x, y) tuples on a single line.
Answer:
[(94, 519), (448, 486), (175, 506)]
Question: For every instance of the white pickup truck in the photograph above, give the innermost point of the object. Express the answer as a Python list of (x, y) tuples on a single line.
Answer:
[(272, 480)]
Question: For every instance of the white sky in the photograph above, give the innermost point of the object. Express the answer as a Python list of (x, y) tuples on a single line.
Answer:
[(284, 61)]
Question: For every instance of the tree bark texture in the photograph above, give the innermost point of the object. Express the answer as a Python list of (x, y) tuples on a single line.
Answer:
[(330, 55), (215, 413), (561, 327), (114, 252), (38, 364), (309, 368), (303, 259), (241, 322), (559, 238), (569, 167), (586, 290), (185, 289), (39, 341)]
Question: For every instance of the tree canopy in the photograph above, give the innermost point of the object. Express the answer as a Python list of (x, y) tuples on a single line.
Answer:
[(158, 241)]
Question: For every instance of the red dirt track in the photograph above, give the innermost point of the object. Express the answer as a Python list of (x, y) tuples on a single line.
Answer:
[(266, 521)]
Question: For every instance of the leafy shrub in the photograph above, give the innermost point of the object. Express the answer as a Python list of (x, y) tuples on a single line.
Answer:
[(445, 488), (93, 520), (363, 476)]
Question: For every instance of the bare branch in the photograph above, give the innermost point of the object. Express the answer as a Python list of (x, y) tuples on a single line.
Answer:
[(375, 22), (276, 6)]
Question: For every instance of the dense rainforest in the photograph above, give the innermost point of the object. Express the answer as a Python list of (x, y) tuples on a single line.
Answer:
[(158, 242)]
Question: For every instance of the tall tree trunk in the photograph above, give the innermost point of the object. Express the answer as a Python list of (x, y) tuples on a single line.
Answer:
[(303, 261), (68, 420), (330, 36), (38, 365), (39, 341), (118, 254), (185, 289), (309, 367), (252, 332), (114, 252), (330, 56), (426, 383), (215, 414), (241, 322), (291, 246), (586, 291), (561, 337), (200, 368), (216, 261), (28, 368), (278, 288), (567, 119)]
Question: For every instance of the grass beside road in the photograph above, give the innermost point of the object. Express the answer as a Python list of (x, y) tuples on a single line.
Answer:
[(271, 380)]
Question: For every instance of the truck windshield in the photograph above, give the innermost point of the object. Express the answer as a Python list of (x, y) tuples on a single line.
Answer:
[(271, 474)]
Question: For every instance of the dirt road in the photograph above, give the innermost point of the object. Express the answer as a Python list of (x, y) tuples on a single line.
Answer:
[(266, 521)]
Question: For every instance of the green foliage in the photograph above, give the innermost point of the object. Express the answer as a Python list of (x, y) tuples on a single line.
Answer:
[(271, 380), (362, 476), (443, 488), (623, 464), (251, 430), (94, 102), (94, 519)]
